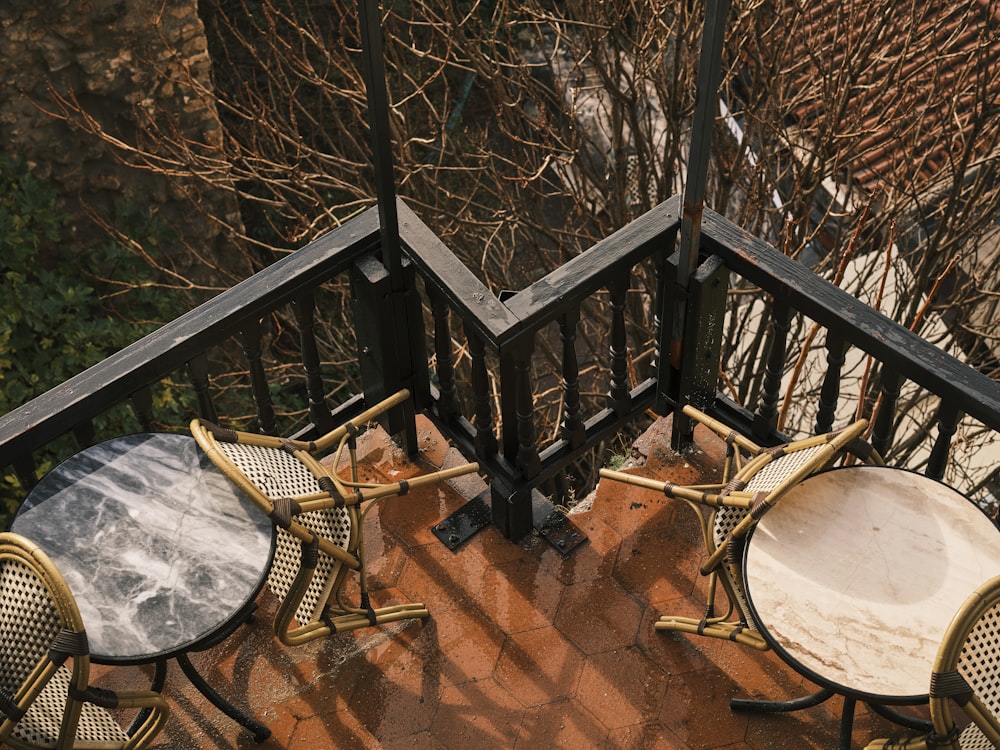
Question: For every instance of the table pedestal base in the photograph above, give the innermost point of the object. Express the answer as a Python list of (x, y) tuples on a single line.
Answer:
[(779, 707), (258, 730), (846, 715)]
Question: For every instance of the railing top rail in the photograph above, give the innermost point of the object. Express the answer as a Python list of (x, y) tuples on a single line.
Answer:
[(546, 299), (156, 355), (465, 292), (912, 356), (580, 277)]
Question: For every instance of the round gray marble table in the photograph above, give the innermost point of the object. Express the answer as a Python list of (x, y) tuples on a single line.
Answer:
[(162, 553), (855, 574)]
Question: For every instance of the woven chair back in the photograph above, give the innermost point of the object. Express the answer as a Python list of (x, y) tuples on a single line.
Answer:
[(766, 479), (280, 475), (967, 672), (727, 518), (39, 617), (30, 619)]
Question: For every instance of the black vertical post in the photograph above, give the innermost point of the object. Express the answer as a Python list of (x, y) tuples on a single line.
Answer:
[(709, 71), (396, 316), (698, 377), (373, 69)]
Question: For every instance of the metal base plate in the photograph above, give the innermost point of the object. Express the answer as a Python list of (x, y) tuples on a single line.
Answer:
[(464, 522), (561, 532), (551, 524)]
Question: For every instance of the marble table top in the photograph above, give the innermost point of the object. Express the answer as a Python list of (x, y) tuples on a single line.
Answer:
[(160, 550), (856, 573)]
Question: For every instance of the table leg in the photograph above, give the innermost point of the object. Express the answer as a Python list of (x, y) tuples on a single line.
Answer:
[(807, 701), (847, 723), (910, 722), (258, 730), (795, 704), (775, 707), (846, 716)]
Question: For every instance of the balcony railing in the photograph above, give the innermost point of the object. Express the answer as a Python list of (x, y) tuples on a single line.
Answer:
[(488, 410)]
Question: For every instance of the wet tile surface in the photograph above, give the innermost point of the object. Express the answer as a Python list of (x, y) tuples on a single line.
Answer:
[(524, 648)]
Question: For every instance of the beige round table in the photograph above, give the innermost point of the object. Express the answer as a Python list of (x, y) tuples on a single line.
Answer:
[(855, 574)]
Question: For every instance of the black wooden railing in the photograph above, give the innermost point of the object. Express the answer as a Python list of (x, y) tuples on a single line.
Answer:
[(501, 337)]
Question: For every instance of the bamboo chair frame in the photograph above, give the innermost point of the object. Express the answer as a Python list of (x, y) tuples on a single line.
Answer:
[(46, 700), (754, 478), (319, 518), (966, 674)]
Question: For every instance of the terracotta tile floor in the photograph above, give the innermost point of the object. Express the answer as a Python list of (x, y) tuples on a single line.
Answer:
[(525, 648)]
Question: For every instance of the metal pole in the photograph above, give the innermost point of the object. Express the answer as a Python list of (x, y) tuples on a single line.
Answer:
[(706, 98), (373, 68), (399, 328)]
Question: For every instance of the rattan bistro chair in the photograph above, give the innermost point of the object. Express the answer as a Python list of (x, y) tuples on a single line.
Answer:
[(753, 479), (46, 700), (319, 518), (966, 672)]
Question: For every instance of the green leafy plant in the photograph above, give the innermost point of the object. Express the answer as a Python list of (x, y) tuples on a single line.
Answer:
[(55, 320), (48, 326), (616, 461)]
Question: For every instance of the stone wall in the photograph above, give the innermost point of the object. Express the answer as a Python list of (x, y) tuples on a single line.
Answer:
[(132, 65)]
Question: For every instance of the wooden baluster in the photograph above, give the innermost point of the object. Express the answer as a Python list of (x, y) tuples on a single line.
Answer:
[(658, 274), (197, 368), (485, 438), (527, 451), (836, 351), (749, 388), (443, 355), (252, 336), (667, 372), (766, 418), (142, 405), (947, 419), (882, 431), (305, 314), (26, 471), (572, 424), (619, 397), (84, 433)]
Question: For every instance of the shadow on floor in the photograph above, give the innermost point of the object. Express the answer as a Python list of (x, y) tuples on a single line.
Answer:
[(525, 648)]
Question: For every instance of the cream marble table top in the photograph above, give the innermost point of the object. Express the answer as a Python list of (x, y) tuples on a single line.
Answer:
[(856, 573)]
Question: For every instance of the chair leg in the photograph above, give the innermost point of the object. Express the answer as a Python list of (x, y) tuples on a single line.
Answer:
[(159, 678), (726, 631), (718, 628), (715, 626), (345, 621)]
